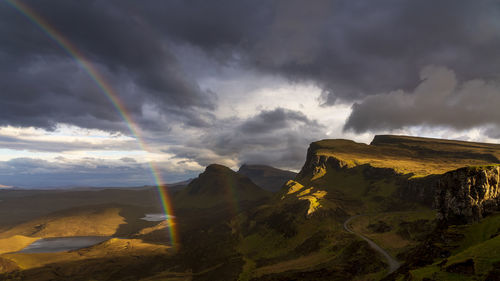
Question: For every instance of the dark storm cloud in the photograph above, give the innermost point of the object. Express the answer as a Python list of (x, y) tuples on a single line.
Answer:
[(276, 137), (41, 85), (439, 100), (351, 49), (273, 120)]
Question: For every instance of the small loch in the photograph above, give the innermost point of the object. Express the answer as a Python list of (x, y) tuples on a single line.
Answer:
[(62, 244), (156, 217)]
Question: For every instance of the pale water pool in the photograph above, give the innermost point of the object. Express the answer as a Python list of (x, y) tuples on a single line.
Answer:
[(62, 244), (156, 217)]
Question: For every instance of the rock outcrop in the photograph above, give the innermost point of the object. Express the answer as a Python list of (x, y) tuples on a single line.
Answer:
[(468, 194), (311, 194), (421, 190), (316, 163)]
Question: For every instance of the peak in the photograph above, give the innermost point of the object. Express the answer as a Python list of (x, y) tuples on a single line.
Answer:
[(217, 168), (213, 186)]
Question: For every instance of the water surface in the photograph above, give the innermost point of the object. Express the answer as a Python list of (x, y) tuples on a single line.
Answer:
[(156, 217), (62, 244)]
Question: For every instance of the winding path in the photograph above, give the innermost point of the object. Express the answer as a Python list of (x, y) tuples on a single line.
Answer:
[(393, 263)]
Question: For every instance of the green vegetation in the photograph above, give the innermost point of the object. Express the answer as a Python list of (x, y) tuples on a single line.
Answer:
[(410, 155), (477, 243), (231, 229)]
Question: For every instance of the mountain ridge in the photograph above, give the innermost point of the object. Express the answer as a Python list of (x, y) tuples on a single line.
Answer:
[(218, 184), (267, 177)]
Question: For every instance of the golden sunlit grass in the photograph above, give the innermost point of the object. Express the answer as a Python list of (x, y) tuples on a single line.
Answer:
[(107, 249), (419, 156), (150, 241), (15, 243), (97, 220), (73, 222)]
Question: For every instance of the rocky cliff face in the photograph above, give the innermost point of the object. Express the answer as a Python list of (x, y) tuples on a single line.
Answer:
[(421, 190), (468, 194), (316, 165)]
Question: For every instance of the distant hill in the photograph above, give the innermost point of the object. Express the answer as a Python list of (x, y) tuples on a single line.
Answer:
[(267, 177), (218, 185), (405, 155), (180, 184)]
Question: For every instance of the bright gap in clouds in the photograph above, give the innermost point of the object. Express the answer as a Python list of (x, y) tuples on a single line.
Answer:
[(246, 94), (72, 156), (62, 133)]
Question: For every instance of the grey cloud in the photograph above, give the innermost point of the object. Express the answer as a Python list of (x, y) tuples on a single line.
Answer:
[(272, 120), (493, 131), (439, 100), (42, 85), (28, 172), (128, 160), (33, 145), (276, 137), (352, 49)]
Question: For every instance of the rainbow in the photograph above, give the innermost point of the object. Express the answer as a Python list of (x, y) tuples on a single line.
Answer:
[(112, 96)]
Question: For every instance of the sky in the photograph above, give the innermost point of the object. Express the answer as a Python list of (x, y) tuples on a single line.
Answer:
[(233, 82)]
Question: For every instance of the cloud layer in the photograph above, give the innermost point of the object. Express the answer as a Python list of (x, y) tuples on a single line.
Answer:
[(439, 100), (275, 137), (350, 49), (242, 81)]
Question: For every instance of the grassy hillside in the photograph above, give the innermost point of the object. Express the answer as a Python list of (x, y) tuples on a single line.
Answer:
[(298, 235), (115, 259), (231, 229), (342, 178), (410, 155), (93, 220), (473, 253)]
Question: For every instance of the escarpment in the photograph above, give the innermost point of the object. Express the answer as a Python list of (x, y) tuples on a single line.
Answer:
[(316, 164), (389, 168), (370, 163), (421, 190), (468, 194)]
